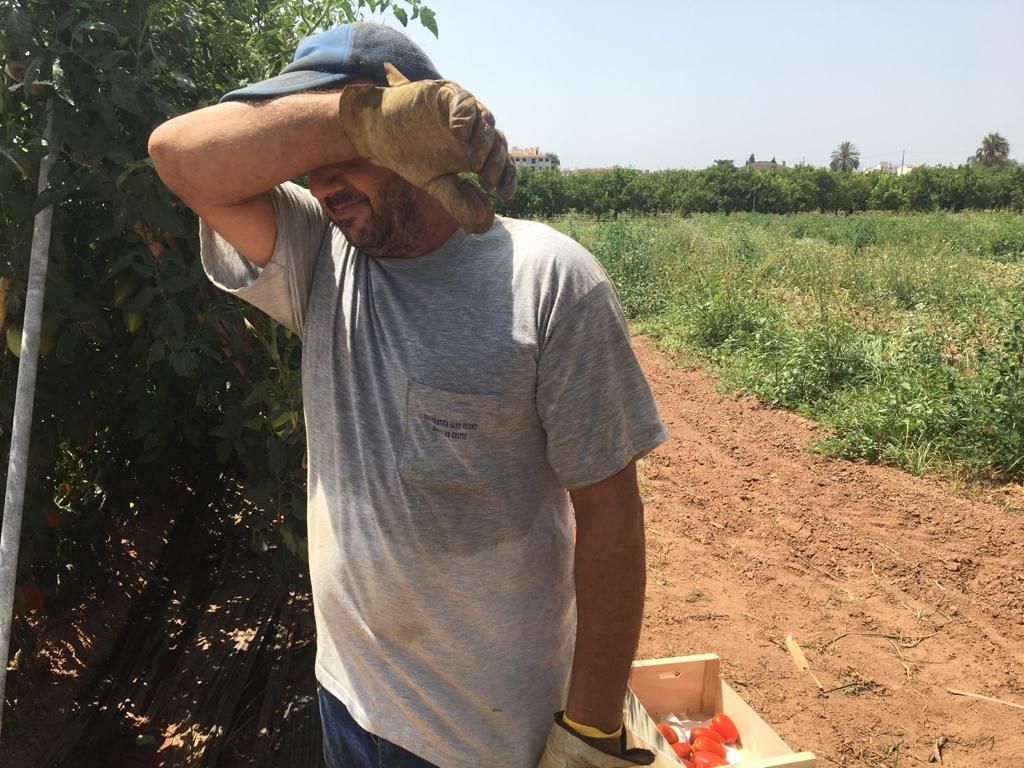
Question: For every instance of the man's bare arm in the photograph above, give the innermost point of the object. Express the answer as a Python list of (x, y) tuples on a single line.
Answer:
[(610, 584), (223, 160)]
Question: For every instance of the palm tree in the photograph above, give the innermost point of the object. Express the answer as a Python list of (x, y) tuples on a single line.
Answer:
[(845, 157), (994, 150)]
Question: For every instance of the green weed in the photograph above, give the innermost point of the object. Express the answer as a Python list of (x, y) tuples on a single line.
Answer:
[(903, 334)]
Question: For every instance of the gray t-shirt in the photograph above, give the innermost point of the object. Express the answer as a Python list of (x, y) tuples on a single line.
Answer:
[(450, 400)]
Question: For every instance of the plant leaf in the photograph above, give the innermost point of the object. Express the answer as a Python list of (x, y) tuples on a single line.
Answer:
[(428, 20), (32, 74), (19, 25)]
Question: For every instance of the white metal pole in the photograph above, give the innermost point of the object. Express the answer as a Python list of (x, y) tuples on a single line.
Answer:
[(21, 431)]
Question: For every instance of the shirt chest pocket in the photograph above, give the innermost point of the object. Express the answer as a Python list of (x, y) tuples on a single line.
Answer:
[(450, 437)]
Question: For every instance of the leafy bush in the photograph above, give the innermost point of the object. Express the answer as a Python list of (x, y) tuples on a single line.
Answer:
[(154, 383), (626, 253)]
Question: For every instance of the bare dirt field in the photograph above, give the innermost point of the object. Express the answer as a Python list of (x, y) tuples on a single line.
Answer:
[(896, 588)]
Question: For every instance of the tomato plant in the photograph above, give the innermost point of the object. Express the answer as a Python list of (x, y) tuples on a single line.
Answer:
[(153, 381)]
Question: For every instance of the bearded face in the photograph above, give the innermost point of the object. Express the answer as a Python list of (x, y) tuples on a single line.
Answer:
[(377, 210), (386, 225)]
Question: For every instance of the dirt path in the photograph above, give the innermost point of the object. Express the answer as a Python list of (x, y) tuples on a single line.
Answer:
[(895, 588)]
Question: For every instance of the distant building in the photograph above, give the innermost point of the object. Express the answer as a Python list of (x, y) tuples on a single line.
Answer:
[(532, 157), (763, 165), (894, 168)]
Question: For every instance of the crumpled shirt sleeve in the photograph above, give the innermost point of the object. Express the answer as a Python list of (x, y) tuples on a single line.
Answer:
[(282, 287)]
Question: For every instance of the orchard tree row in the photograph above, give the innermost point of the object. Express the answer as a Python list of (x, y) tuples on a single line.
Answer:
[(725, 188), (151, 383)]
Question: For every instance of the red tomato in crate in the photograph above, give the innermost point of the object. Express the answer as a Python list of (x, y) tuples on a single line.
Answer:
[(704, 744), (725, 727), (668, 732), (707, 760), (682, 749), (709, 733), (687, 763)]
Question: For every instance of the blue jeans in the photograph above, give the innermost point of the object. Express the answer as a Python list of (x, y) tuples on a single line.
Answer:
[(347, 745)]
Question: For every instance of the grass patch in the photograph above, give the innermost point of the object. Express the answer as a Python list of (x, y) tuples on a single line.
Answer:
[(903, 334)]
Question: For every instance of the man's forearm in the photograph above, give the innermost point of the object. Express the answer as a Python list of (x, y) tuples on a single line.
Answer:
[(610, 586), (228, 153)]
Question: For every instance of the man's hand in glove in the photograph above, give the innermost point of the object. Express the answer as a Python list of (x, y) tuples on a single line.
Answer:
[(568, 749), (428, 132)]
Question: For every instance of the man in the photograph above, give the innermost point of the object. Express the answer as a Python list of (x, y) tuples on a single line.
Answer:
[(456, 382)]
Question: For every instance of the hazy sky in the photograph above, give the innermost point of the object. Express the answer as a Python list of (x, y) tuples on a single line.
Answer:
[(663, 84)]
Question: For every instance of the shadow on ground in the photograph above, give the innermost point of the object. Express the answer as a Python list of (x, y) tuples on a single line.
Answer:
[(213, 667)]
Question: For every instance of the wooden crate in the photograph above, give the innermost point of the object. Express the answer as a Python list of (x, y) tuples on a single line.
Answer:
[(691, 685)]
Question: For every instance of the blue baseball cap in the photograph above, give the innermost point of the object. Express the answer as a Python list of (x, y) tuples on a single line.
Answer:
[(330, 58)]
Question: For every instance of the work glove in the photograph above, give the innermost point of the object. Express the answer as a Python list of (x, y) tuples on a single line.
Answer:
[(428, 132), (566, 749)]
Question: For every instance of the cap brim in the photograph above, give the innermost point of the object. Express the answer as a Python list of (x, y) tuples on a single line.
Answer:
[(289, 82)]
